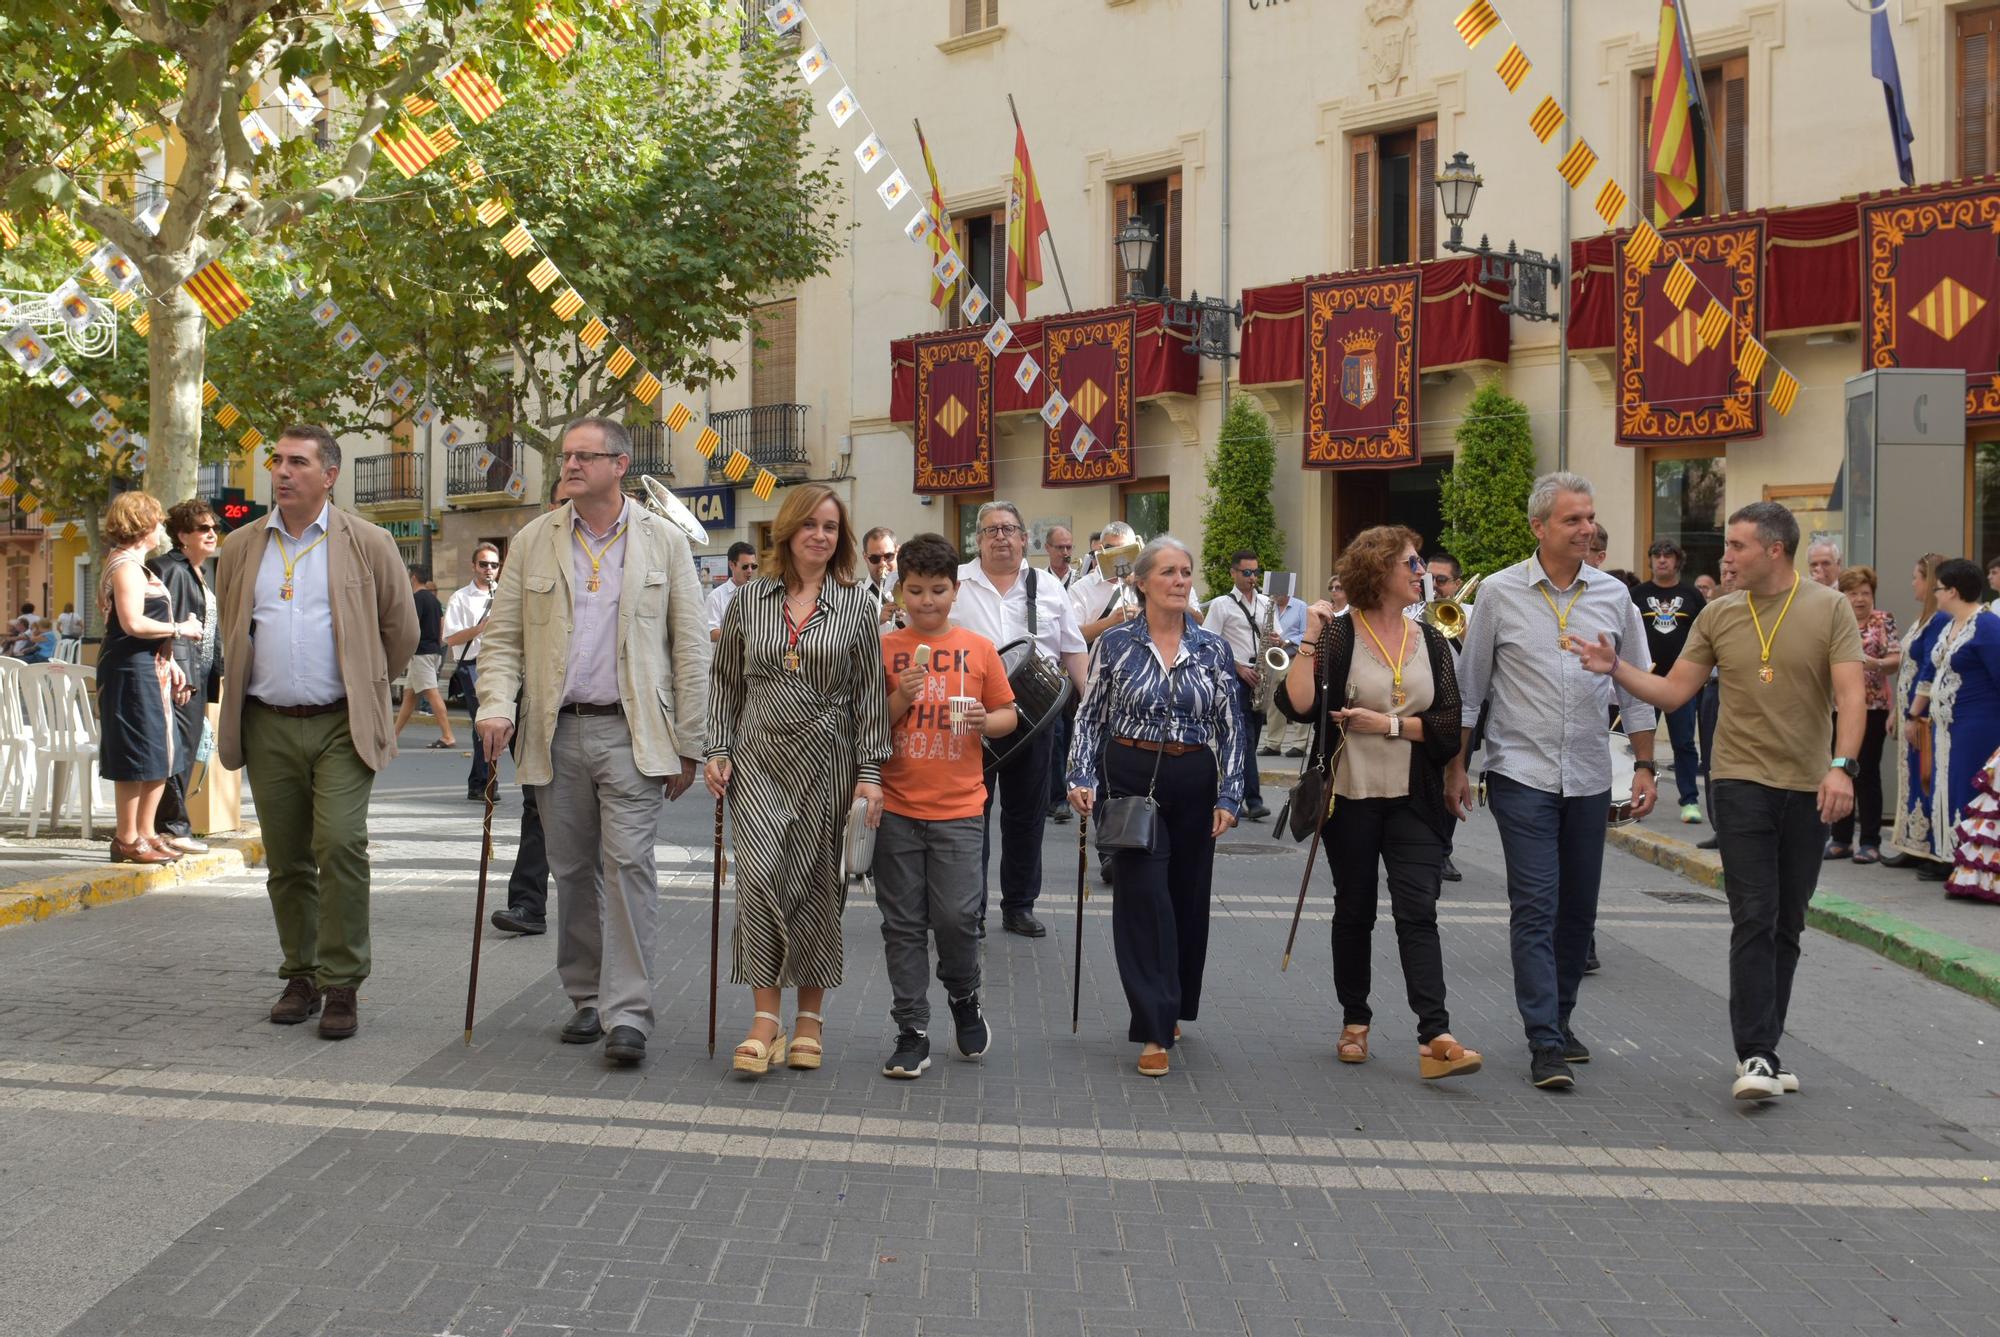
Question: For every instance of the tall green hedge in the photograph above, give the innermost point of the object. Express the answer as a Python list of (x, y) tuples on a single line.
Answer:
[(1238, 513), (1484, 498)]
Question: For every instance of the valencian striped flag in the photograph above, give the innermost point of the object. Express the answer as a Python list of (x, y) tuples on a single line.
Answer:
[(679, 416), (1475, 21), (1784, 391), (940, 226), (543, 274), (705, 444), (474, 89), (1513, 67), (1027, 223), (411, 151), (517, 241), (556, 37), (492, 211), (217, 293), (566, 304), (1670, 139), (738, 465)]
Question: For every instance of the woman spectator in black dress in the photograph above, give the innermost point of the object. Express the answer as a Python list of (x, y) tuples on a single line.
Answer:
[(195, 534), (1396, 704), (137, 679)]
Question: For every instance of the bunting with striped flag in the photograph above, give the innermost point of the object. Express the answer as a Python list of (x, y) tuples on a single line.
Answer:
[(492, 211), (566, 304), (619, 363), (543, 274), (1475, 21), (738, 465), (593, 334), (517, 241), (766, 483), (474, 89), (1513, 67), (679, 416), (410, 152), (217, 293), (646, 389), (556, 37), (1547, 119), (1576, 165), (706, 443)]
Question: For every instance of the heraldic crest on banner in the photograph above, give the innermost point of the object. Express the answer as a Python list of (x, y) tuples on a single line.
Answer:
[(1933, 298), (1673, 385), (1361, 380), (953, 422)]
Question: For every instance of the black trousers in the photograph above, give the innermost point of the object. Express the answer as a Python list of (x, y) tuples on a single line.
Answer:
[(1867, 785), (467, 674), (172, 819), (528, 884), (1771, 842), (1387, 831), (1159, 901), (1022, 788)]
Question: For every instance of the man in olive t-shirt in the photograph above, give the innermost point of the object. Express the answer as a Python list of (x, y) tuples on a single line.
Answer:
[(1789, 655)]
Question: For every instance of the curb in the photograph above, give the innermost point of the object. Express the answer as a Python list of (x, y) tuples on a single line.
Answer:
[(1971, 970), (66, 893)]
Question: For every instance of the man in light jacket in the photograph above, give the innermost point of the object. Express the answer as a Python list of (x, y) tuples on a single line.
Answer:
[(317, 619), (598, 626)]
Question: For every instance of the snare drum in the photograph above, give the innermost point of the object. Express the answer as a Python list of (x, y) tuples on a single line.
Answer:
[(1041, 692)]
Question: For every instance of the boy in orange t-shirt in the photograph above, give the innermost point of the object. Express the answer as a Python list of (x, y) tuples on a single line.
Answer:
[(927, 853)]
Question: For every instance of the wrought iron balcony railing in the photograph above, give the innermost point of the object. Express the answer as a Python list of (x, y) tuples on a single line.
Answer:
[(383, 479), (772, 435)]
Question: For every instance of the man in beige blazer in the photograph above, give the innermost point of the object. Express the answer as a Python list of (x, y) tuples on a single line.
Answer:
[(599, 631), (317, 604)]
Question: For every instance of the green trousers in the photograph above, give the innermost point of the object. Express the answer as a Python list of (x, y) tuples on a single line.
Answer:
[(312, 791)]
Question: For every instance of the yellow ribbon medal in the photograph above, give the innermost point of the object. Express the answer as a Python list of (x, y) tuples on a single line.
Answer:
[(1765, 673)]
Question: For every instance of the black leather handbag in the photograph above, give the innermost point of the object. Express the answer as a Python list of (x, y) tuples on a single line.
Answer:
[(1309, 801), (1131, 822)]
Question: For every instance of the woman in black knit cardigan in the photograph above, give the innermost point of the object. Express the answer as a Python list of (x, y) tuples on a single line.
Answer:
[(1379, 691)]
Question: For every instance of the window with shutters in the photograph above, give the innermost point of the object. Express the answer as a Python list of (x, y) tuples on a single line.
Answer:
[(970, 16), (1392, 189), (1158, 203), (1721, 141), (981, 241), (774, 360), (1978, 74)]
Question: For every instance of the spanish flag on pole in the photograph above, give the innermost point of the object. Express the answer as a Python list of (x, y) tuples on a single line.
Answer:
[(1670, 141), (1027, 222), (941, 293)]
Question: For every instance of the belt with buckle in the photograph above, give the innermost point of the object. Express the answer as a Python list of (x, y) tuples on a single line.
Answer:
[(1154, 745), (305, 712), (591, 708)]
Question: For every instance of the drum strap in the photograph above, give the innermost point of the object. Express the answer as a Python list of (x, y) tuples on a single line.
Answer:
[(1117, 593), (1032, 611)]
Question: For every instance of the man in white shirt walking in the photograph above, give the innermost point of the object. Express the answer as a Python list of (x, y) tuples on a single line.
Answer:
[(1004, 599), (1238, 617), (742, 566), (464, 619)]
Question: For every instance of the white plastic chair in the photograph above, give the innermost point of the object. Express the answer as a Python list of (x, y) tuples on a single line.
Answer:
[(17, 745), (62, 721), (69, 650)]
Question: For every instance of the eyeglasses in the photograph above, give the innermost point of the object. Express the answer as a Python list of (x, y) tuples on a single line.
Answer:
[(487, 566), (1001, 531), (586, 456), (877, 558)]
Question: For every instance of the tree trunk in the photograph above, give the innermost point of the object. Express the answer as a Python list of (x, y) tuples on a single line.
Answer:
[(175, 356)]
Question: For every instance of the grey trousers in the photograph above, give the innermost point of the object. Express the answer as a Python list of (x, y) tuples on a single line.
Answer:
[(601, 817), (927, 882)]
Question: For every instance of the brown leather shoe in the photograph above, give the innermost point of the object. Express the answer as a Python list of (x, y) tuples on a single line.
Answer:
[(139, 851), (300, 1000), (340, 1019)]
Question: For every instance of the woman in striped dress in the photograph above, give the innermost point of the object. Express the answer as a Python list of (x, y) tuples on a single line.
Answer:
[(798, 728)]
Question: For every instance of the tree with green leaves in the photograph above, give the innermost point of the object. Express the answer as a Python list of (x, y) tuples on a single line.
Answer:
[(1484, 499), (1238, 513), (89, 88)]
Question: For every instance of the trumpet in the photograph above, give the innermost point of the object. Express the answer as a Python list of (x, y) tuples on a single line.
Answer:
[(1447, 617)]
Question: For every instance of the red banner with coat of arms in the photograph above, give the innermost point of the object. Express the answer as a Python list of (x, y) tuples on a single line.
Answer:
[(1361, 370), (953, 413), (1673, 384), (1933, 297), (1088, 358)]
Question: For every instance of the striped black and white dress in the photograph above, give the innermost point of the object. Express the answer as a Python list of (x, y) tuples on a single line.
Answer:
[(798, 742)]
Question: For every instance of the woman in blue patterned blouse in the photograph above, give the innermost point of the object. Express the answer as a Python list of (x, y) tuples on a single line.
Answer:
[(1160, 713)]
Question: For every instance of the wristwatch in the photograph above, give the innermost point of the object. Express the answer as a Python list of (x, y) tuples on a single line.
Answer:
[(1646, 766), (1847, 764)]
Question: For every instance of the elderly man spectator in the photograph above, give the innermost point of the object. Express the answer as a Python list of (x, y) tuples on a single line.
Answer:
[(1823, 562), (40, 642)]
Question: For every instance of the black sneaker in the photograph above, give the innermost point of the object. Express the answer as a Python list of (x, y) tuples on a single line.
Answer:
[(511, 920), (1712, 843), (1548, 1070), (1574, 1050), (1451, 873), (1059, 813), (1756, 1079), (912, 1056), (974, 1037), (1591, 965)]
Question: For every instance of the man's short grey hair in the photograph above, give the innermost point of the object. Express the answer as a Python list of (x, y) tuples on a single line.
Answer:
[(1831, 544), (1149, 557), (1542, 499), (979, 521), (1118, 533), (616, 439)]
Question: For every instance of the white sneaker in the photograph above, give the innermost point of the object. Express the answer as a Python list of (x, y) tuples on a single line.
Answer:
[(1756, 1079), (1787, 1079)]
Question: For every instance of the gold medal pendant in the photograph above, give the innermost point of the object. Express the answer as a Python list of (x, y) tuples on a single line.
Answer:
[(1399, 698), (792, 661), (1562, 641), (591, 585), (285, 591), (1765, 674)]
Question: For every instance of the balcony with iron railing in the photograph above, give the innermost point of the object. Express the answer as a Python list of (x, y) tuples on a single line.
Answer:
[(211, 479), (385, 484), (652, 453), (772, 435), (468, 485)]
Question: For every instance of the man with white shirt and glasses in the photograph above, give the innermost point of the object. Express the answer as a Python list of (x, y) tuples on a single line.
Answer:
[(317, 618), (1548, 753), (878, 549), (464, 619), (742, 566), (1060, 544), (1789, 655), (1238, 617), (1004, 599)]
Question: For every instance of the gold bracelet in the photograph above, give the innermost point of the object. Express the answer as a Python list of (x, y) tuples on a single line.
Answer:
[(1309, 648)]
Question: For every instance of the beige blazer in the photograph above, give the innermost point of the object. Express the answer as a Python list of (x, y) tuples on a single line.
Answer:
[(663, 646), (374, 627)]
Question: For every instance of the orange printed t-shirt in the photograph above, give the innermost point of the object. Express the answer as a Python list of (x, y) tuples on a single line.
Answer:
[(935, 775)]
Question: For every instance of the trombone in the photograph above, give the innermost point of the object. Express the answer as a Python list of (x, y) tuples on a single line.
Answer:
[(1448, 617)]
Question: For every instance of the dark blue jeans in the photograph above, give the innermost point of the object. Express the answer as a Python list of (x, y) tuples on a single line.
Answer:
[(1253, 728), (467, 674), (1681, 727), (1555, 857)]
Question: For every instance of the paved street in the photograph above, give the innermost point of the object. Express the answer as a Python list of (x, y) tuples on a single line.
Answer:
[(171, 1164)]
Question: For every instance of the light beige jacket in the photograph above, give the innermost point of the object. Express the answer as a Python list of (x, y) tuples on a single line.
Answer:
[(663, 646)]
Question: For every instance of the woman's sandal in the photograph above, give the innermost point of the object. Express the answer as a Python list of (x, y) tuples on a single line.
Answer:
[(1353, 1045), (1153, 1064), (1867, 854), (1445, 1057), (806, 1051), (756, 1056), (1835, 850), (440, 745)]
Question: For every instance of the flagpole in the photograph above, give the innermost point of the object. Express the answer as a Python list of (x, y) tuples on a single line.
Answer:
[(1691, 71), (1047, 232)]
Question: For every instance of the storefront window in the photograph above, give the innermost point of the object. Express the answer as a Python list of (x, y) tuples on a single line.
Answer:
[(1985, 503), (1688, 508)]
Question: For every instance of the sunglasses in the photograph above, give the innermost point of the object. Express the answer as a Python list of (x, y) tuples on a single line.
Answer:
[(1416, 565), (877, 558), (487, 566), (208, 529)]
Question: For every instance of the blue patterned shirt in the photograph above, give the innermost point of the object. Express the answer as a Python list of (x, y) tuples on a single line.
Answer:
[(1131, 695)]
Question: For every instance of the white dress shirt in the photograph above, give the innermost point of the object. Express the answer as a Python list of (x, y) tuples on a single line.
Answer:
[(593, 638), (718, 603), (468, 608), (1001, 618), (293, 661), (1240, 622)]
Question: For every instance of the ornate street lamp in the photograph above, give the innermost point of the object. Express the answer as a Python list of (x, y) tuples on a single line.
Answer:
[(1135, 242), (1527, 274), (1206, 320)]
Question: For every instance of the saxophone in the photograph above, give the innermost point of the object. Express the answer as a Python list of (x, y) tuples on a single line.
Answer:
[(1272, 661)]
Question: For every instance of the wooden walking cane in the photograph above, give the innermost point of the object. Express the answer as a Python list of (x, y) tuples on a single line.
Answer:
[(479, 909), (1312, 850), (1082, 895), (715, 926)]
